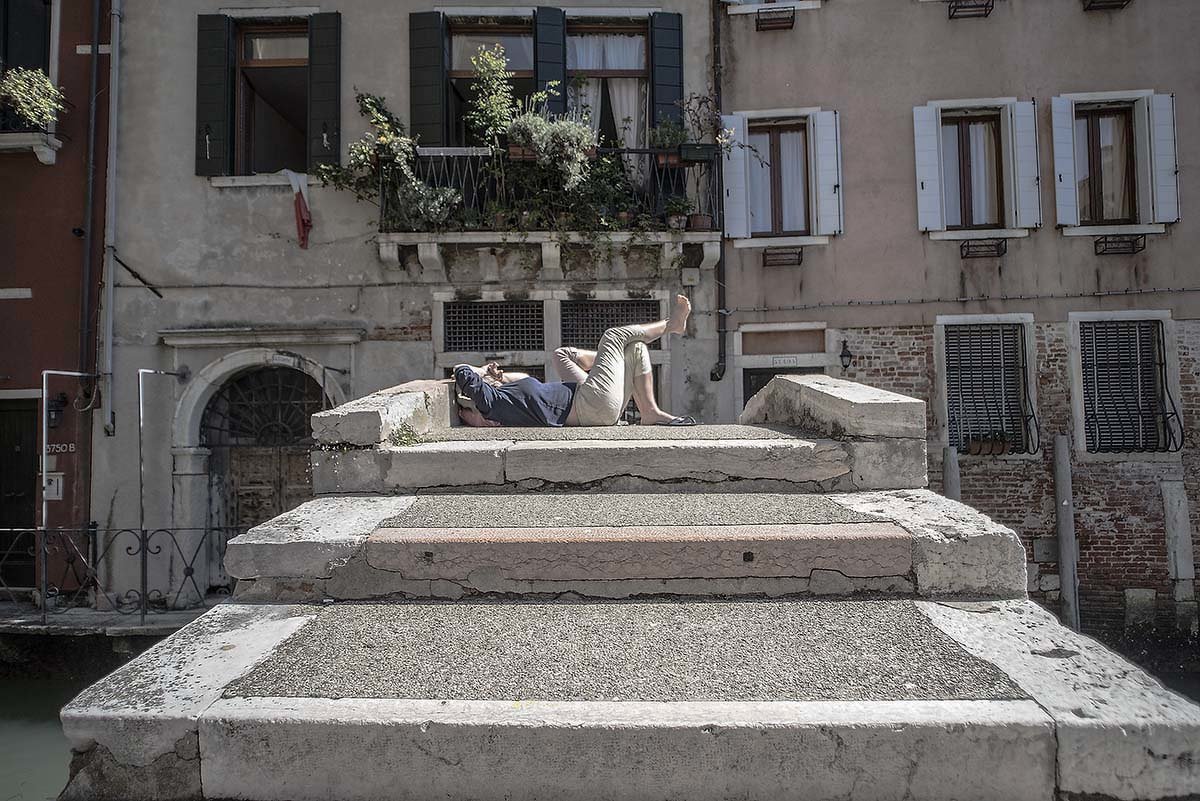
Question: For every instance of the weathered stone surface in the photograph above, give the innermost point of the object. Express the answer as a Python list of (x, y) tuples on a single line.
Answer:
[(826, 406), (956, 549), (792, 460), (405, 411), (391, 469), (266, 748), (140, 711), (1120, 733), (307, 541), (556, 554), (890, 463), (172, 776)]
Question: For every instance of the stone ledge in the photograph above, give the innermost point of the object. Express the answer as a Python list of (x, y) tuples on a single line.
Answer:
[(406, 411), (822, 405)]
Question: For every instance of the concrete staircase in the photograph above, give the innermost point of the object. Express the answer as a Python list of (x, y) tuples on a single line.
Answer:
[(774, 610)]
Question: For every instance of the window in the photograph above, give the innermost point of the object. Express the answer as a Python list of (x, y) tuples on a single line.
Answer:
[(584, 321), (977, 168), (24, 42), (783, 177), (492, 326), (1115, 162), (973, 186), (778, 180), (1127, 406), (466, 40), (268, 94), (272, 98), (989, 411), (608, 80), (1104, 165)]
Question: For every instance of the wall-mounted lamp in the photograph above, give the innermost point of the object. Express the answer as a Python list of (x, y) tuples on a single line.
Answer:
[(845, 356), (54, 410)]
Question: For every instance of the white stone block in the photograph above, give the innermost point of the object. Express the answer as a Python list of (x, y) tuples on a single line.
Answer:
[(404, 411), (824, 405), (389, 469)]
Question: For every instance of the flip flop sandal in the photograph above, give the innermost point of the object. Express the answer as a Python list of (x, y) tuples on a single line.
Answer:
[(679, 421)]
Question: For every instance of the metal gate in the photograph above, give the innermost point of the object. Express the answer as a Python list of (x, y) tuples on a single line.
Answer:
[(257, 427)]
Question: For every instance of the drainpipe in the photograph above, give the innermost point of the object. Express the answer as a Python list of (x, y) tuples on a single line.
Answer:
[(718, 370), (89, 198), (110, 214)]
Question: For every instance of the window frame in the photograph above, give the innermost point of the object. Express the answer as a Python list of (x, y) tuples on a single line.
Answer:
[(243, 131), (941, 384), (775, 128), (616, 28), (1092, 113), (458, 28), (962, 118)]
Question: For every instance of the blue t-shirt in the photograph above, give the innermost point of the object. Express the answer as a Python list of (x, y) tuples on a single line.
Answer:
[(527, 402)]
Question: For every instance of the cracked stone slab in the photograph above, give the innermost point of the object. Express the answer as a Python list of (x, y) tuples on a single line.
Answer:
[(635, 651), (311, 539), (298, 749), (957, 550), (611, 433), (555, 554), (408, 410), (139, 711), (1120, 733), (822, 405), (389, 469)]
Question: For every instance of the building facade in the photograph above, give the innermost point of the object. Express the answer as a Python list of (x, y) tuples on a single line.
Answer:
[(51, 238), (1008, 246)]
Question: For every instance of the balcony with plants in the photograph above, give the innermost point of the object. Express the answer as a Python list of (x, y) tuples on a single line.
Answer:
[(29, 107), (536, 177)]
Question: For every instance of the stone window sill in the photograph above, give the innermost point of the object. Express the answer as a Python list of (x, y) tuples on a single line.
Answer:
[(240, 181), (751, 8), (985, 233), (780, 242), (43, 145), (1113, 230)]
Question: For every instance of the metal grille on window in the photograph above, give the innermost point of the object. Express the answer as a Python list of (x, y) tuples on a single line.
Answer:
[(491, 327), (1127, 406), (987, 397), (584, 321)]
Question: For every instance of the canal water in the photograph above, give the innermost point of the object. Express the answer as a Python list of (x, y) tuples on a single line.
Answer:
[(34, 754)]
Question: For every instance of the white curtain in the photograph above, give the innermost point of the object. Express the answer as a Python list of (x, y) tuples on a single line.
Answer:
[(759, 181), (1114, 160), (984, 174), (793, 163), (583, 97), (627, 95), (951, 177)]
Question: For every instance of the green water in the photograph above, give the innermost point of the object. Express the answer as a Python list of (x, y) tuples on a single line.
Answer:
[(34, 754)]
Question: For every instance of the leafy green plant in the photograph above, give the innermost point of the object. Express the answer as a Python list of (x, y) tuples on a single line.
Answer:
[(527, 130), (32, 95), (493, 107), (678, 204), (668, 135), (567, 144)]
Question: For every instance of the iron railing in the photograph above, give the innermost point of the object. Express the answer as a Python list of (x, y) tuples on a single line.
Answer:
[(60, 568), (627, 189)]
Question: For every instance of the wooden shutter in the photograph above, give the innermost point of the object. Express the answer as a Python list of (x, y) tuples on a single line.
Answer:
[(324, 89), (735, 169), (666, 67), (428, 57), (214, 95), (1028, 200), (25, 34), (1163, 156), (928, 155), (1066, 192), (1124, 396), (824, 133), (550, 55)]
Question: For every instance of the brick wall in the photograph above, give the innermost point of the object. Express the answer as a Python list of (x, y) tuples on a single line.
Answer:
[(1119, 513)]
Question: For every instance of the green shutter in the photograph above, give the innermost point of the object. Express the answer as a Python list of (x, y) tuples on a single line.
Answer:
[(214, 95), (324, 89), (550, 54), (428, 58), (25, 34), (666, 67)]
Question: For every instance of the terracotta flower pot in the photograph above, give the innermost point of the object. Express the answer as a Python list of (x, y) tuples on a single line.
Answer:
[(521, 153), (700, 222)]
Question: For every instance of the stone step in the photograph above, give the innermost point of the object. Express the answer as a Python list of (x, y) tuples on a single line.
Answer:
[(706, 458), (795, 699), (624, 545)]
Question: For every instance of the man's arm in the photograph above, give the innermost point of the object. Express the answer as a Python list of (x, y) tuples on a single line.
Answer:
[(470, 383)]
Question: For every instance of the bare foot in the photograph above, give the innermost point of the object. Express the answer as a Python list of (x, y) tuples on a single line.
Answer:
[(677, 322)]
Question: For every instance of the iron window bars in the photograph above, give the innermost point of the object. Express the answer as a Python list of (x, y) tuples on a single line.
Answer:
[(983, 248), (1127, 404), (989, 410), (775, 19), (1105, 5), (965, 9), (782, 257), (493, 326), (584, 321), (1120, 244)]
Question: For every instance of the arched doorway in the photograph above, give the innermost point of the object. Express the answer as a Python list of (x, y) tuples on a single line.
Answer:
[(257, 429)]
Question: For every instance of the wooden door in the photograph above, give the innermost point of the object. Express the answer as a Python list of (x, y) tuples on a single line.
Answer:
[(18, 490)]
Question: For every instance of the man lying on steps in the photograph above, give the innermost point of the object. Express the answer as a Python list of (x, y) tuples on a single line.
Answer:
[(618, 369)]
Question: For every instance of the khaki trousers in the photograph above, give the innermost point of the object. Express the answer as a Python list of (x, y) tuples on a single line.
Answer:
[(603, 393)]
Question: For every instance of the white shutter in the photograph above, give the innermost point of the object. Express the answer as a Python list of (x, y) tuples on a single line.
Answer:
[(927, 133), (734, 178), (1027, 192), (1163, 155), (827, 172), (1066, 193)]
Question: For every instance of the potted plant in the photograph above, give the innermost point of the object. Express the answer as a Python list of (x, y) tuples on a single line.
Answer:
[(32, 96), (524, 132), (677, 208), (666, 137), (698, 221)]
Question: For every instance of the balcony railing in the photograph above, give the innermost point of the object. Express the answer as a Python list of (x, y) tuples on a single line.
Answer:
[(627, 190)]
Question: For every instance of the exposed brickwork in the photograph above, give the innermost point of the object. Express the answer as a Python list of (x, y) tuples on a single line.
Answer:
[(1119, 513)]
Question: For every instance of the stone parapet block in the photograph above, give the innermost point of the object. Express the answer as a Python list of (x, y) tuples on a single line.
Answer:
[(822, 405), (400, 413)]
